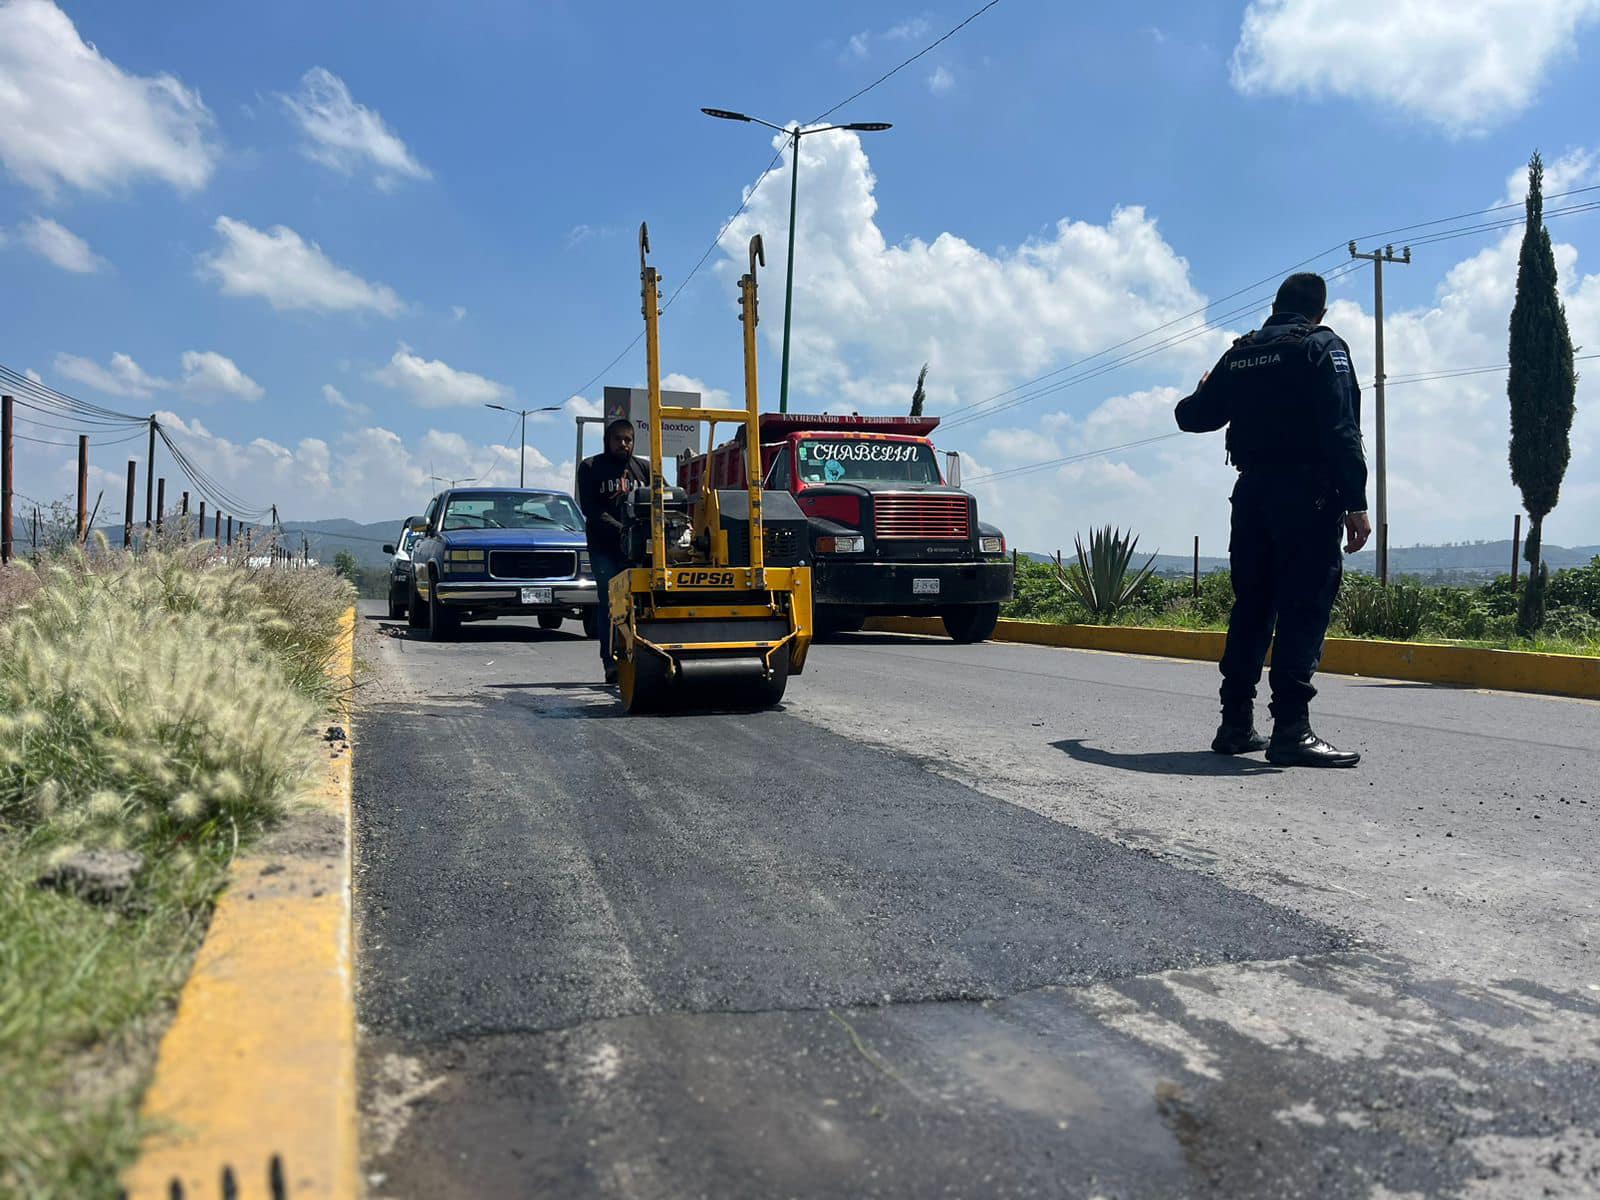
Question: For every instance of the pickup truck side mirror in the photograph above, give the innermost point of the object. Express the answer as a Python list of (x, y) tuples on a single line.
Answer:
[(388, 547)]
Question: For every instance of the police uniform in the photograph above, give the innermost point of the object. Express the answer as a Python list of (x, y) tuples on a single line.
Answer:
[(1292, 407)]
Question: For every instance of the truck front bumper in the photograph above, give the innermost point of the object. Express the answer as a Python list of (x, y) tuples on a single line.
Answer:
[(499, 597), (891, 588)]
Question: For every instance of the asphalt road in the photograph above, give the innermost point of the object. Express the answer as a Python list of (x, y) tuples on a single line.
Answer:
[(966, 921)]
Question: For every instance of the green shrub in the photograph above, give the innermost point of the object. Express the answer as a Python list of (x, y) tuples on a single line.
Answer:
[(1573, 623), (1365, 608), (1576, 587)]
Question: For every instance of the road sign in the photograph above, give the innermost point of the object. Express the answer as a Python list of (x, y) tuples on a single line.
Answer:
[(676, 436)]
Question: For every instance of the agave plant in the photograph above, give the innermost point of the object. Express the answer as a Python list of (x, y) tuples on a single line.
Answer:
[(1100, 580)]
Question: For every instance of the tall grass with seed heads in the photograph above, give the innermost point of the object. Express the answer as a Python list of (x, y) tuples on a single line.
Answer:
[(167, 703)]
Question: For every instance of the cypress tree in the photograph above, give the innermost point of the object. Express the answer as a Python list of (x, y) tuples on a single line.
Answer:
[(1541, 387), (918, 396)]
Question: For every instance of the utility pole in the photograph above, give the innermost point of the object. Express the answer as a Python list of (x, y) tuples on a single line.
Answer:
[(161, 501), (200, 527), (1377, 258), (5, 478), (150, 474), (127, 508)]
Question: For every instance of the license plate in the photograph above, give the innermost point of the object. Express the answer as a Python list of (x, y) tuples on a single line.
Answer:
[(537, 595), (924, 587)]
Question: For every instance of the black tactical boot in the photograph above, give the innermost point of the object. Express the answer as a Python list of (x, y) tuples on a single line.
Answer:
[(1237, 733), (1295, 745)]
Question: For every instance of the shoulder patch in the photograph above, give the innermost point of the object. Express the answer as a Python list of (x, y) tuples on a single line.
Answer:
[(1341, 362)]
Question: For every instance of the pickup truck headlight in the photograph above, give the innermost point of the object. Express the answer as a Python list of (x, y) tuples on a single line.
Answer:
[(465, 562), (991, 545), (841, 545), (585, 567)]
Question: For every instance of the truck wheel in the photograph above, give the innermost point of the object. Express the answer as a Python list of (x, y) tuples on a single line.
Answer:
[(416, 610), (973, 623), (397, 604), (443, 625), (549, 620)]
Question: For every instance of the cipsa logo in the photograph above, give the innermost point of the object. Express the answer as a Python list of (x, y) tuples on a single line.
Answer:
[(708, 579)]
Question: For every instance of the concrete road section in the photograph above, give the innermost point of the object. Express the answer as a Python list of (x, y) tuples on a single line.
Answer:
[(966, 921)]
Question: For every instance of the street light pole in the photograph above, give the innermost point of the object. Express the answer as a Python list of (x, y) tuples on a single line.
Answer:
[(522, 454), (794, 134)]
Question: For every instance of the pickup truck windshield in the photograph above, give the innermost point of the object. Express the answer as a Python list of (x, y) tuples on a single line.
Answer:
[(847, 460), (511, 510)]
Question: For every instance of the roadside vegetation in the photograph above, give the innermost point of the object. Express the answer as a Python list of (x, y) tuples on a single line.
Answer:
[(1407, 610), (155, 716)]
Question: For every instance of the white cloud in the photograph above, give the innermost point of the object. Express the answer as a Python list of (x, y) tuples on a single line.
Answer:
[(348, 136), (207, 375), (458, 312), (337, 399), (1466, 65), (431, 383), (123, 377), (868, 314), (710, 397), (70, 116), (53, 241), (290, 273), (941, 81)]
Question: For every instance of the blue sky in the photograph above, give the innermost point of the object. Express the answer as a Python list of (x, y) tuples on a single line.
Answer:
[(435, 207)]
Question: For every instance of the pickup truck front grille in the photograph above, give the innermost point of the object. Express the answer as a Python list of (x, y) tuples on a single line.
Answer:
[(533, 564), (926, 518)]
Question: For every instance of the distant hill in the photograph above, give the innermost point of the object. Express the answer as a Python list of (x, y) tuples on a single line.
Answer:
[(1450, 563), (328, 537)]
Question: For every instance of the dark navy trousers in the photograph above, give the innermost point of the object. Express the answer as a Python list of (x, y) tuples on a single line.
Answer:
[(1287, 565)]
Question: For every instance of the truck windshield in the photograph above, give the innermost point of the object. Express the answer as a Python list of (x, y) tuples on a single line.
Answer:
[(511, 510), (847, 460)]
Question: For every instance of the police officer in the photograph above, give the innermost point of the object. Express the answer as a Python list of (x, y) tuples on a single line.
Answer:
[(1289, 398), (604, 483)]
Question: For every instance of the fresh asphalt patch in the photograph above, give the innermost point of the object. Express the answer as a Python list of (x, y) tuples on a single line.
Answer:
[(739, 955), (521, 873)]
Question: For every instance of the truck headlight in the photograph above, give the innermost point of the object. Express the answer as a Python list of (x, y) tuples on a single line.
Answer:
[(585, 567), (463, 562), (841, 545), (991, 545)]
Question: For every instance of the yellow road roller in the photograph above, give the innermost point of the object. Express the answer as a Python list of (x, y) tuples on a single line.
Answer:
[(714, 611)]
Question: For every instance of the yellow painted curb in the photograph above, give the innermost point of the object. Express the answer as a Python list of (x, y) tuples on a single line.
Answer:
[(261, 1059), (1469, 666)]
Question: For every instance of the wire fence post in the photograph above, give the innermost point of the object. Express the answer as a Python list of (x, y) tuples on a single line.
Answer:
[(1197, 566), (183, 513), (161, 501), (83, 487), (127, 508), (230, 530), (1516, 551), (200, 527), (216, 532), (5, 478)]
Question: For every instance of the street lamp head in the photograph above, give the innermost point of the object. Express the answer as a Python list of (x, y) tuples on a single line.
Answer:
[(724, 115), (870, 126), (501, 407)]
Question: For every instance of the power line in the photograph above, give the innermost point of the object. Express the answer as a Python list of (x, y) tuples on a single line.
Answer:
[(1396, 381), (751, 193), (897, 69)]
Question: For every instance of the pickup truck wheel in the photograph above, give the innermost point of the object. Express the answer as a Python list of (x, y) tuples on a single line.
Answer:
[(443, 625), (549, 620), (833, 618), (971, 623), (397, 604), (416, 610)]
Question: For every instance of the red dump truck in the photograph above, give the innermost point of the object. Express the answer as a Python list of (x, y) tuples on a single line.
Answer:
[(888, 536)]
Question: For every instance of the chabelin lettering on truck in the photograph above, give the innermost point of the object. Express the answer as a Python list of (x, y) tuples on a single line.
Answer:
[(889, 537)]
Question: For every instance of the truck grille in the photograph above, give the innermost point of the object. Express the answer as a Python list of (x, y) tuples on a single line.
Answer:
[(929, 518), (533, 564)]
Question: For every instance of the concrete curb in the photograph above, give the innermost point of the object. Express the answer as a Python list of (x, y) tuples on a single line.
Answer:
[(261, 1059), (1504, 670)]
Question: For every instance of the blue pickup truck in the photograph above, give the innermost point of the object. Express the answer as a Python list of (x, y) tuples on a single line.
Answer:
[(483, 553)]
